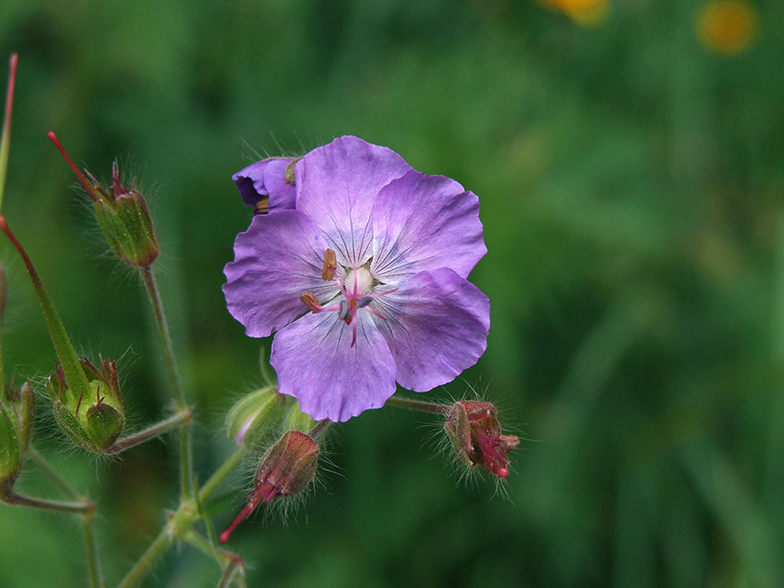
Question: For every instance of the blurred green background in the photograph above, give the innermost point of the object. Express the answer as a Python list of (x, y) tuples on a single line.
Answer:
[(632, 187)]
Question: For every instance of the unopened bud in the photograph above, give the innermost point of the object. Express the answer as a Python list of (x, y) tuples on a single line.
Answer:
[(258, 415), (122, 214), (285, 470), (16, 427), (475, 433), (92, 419)]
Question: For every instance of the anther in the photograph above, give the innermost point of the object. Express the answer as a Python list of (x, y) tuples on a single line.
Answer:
[(343, 311), (330, 265), (364, 301), (310, 300)]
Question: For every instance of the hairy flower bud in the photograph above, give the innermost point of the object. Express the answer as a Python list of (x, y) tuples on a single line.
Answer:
[(285, 470), (475, 433), (95, 420), (16, 427), (122, 214), (259, 414)]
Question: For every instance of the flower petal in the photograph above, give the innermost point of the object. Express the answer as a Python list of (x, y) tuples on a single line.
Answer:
[(337, 185), (264, 179), (331, 379), (437, 324), (423, 222), (275, 260)]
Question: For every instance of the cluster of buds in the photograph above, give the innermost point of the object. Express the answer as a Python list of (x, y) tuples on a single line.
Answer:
[(285, 470), (94, 418), (476, 437), (16, 426), (122, 214)]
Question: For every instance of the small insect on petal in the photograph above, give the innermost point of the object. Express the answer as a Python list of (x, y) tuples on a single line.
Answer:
[(330, 265)]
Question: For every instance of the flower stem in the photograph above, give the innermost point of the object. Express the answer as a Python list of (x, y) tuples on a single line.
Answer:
[(81, 507), (150, 432), (319, 429), (53, 474), (186, 461), (419, 405), (155, 551), (91, 550), (220, 475)]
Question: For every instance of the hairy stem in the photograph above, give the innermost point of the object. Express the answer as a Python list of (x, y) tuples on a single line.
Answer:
[(91, 550), (419, 405), (149, 558), (81, 507), (151, 432), (186, 460)]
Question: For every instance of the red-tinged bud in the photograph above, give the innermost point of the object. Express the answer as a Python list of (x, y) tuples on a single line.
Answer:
[(285, 470), (476, 436), (122, 214)]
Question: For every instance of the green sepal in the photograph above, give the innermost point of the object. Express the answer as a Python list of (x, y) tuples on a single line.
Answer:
[(71, 427), (298, 420), (10, 454), (104, 425), (127, 226)]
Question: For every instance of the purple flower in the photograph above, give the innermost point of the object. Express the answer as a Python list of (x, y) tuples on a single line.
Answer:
[(264, 186), (365, 282)]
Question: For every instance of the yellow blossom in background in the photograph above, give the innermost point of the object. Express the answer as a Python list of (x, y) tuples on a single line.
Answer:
[(584, 12), (727, 26)]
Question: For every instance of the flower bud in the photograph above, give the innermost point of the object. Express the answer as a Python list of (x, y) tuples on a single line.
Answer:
[(16, 427), (122, 214), (285, 470), (476, 436), (257, 416), (298, 420), (94, 420)]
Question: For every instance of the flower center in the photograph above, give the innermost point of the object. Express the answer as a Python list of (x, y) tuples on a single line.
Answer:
[(356, 289)]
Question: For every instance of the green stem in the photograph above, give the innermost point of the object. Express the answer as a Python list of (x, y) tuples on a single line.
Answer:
[(419, 405), (186, 461), (231, 570), (154, 552), (180, 522), (91, 550), (53, 474), (150, 432), (82, 507)]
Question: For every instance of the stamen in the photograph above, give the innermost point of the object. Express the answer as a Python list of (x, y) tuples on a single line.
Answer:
[(330, 265), (364, 301), (343, 312), (262, 206), (310, 300)]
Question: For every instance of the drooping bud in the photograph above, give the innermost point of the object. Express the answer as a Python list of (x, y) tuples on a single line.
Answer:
[(94, 419), (16, 427), (475, 433), (122, 214), (285, 470), (258, 415)]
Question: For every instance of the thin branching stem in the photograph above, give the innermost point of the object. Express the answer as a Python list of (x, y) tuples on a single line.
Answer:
[(83, 506), (419, 405), (91, 550), (150, 432), (186, 460)]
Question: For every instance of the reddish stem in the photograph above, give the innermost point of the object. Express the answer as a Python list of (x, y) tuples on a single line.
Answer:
[(82, 179)]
